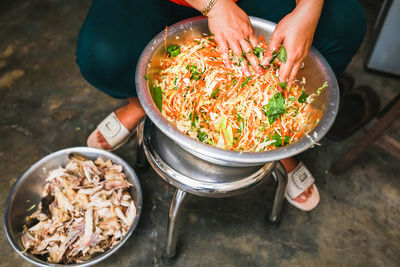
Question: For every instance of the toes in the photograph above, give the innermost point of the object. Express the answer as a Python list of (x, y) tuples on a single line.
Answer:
[(102, 141)]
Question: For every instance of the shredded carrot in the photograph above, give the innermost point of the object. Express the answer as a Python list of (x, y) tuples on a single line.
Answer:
[(196, 81)]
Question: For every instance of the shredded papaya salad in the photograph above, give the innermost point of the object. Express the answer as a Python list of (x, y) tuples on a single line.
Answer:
[(224, 108)]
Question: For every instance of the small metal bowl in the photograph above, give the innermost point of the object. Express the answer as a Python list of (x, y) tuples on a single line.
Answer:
[(27, 192)]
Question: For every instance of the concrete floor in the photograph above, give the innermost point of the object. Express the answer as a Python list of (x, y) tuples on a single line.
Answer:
[(46, 105)]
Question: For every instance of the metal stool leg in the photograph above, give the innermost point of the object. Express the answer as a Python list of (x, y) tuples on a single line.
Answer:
[(280, 177), (140, 156), (174, 222)]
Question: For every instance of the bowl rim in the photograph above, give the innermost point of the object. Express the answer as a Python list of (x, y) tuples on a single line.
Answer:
[(82, 150), (223, 156)]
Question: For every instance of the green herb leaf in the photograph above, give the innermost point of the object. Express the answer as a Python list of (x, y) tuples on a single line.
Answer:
[(174, 50), (146, 77), (278, 140), (201, 136), (282, 56), (214, 93), (258, 51), (283, 85), (274, 56), (157, 96), (275, 107), (239, 118), (246, 81), (303, 97), (195, 72), (194, 120)]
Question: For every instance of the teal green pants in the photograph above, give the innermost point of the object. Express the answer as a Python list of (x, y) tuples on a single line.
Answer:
[(115, 33)]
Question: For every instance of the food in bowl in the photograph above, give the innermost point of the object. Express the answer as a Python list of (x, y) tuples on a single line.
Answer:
[(224, 108), (86, 208)]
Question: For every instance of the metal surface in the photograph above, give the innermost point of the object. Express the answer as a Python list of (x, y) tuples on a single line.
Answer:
[(316, 71), (175, 218), (28, 188), (194, 175), (191, 174), (281, 179)]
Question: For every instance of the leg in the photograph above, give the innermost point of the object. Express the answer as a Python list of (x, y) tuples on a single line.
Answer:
[(110, 42), (280, 177), (174, 222)]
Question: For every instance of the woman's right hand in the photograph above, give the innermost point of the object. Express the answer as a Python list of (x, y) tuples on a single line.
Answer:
[(232, 29)]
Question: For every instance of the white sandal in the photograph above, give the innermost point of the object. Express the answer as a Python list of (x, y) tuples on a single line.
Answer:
[(113, 131), (298, 181)]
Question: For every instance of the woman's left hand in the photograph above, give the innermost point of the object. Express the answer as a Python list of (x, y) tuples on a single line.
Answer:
[(295, 32)]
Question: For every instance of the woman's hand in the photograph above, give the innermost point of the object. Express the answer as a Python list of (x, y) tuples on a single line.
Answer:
[(232, 30), (295, 32)]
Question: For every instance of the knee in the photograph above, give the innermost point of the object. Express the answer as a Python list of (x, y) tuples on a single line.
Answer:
[(99, 62), (348, 23)]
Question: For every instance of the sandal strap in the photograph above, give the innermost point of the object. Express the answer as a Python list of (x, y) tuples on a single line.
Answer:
[(113, 130), (299, 180)]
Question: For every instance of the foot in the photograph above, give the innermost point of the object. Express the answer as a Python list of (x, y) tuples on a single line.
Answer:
[(129, 115), (290, 164)]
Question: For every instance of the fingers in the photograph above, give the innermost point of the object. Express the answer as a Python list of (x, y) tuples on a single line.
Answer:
[(248, 50), (223, 45), (237, 50), (293, 73), (276, 41), (253, 40), (285, 70)]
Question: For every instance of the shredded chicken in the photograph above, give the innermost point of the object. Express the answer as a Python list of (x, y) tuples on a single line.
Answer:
[(86, 209)]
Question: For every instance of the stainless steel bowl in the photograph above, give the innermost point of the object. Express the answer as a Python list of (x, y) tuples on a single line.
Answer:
[(316, 71), (28, 188)]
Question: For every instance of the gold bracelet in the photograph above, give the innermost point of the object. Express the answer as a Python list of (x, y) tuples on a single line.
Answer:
[(208, 7)]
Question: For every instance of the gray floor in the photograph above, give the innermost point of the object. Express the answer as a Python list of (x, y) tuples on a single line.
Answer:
[(46, 105)]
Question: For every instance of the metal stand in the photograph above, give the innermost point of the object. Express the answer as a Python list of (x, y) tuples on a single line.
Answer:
[(185, 184), (140, 156), (281, 179), (175, 213)]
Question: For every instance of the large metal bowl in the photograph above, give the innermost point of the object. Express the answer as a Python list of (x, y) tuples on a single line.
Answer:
[(316, 71), (27, 191)]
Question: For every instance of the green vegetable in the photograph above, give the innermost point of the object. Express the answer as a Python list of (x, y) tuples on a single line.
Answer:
[(246, 81), (258, 51), (214, 93), (283, 85), (226, 131), (274, 55), (240, 60), (319, 90), (241, 122), (275, 107), (157, 96), (195, 72), (174, 50), (282, 56), (146, 77), (278, 140), (303, 97), (194, 120), (201, 136)]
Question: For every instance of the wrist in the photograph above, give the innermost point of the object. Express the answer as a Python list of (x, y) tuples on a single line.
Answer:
[(310, 10)]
